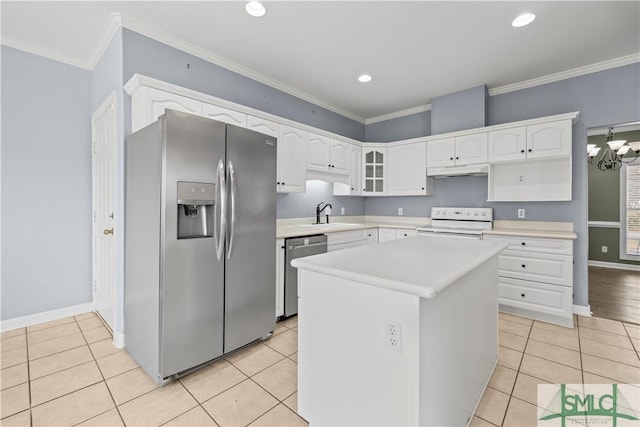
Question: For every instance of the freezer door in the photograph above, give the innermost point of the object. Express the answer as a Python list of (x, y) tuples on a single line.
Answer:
[(192, 283), (251, 230)]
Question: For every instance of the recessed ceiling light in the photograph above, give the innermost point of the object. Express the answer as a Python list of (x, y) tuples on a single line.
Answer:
[(255, 8), (524, 19), (364, 78)]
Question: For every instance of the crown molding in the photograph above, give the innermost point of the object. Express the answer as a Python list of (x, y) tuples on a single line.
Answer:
[(158, 35), (45, 53), (113, 25), (575, 72), (402, 113)]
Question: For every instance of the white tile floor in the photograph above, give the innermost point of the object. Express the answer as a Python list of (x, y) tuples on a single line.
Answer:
[(67, 372)]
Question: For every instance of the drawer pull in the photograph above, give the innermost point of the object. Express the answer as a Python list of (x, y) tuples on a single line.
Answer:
[(522, 295), (523, 266), (523, 244)]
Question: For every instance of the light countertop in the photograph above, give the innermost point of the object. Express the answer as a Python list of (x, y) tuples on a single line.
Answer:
[(421, 266), (295, 230)]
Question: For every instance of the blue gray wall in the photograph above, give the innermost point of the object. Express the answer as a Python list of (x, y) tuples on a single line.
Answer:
[(459, 110), (146, 56), (607, 97), (296, 205), (405, 127), (46, 184)]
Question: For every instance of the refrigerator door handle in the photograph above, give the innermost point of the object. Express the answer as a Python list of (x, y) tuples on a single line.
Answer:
[(220, 184), (232, 184)]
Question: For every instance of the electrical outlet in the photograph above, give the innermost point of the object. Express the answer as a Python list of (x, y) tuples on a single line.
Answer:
[(605, 249), (400, 211), (342, 210), (520, 213), (393, 335)]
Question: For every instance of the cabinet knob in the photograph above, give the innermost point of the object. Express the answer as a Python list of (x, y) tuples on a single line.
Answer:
[(522, 151), (524, 244), (450, 158), (277, 183), (529, 150), (457, 158), (352, 188), (283, 183), (423, 188), (522, 295), (523, 266)]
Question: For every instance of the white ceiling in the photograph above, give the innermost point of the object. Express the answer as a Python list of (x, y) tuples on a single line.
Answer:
[(414, 50)]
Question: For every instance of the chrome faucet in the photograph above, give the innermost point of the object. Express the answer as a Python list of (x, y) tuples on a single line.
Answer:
[(319, 211)]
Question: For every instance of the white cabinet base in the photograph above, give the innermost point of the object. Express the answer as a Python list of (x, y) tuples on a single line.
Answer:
[(567, 322)]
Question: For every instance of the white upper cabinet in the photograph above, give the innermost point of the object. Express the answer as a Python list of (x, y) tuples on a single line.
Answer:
[(441, 152), (290, 175), (549, 139), (374, 171), (224, 115), (531, 142), (407, 165), (264, 126), (340, 157), (328, 155), (354, 187), (151, 104), (508, 144), (457, 151), (471, 149), (292, 154), (318, 152)]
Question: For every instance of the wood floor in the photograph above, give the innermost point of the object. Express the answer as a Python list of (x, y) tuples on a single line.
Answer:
[(615, 294)]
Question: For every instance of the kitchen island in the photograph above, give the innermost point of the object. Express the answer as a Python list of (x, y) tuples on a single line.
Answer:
[(398, 333)]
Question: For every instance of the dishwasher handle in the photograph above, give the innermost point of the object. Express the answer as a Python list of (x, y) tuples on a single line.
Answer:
[(311, 245)]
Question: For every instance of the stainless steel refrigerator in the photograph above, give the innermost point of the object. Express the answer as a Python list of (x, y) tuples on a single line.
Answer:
[(200, 228)]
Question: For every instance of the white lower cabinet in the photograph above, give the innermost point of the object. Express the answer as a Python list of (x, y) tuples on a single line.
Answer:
[(539, 297), (372, 235), (280, 277), (386, 234), (535, 278), (346, 239)]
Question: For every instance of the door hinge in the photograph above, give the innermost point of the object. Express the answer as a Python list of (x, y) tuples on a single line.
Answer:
[(95, 287), (93, 143), (94, 216)]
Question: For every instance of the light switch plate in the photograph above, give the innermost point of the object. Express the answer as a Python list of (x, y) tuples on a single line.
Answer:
[(400, 211), (520, 213)]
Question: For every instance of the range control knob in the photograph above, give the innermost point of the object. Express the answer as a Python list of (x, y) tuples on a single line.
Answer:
[(484, 213), (475, 213)]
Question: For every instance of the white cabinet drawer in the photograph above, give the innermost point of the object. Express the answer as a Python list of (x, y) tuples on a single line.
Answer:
[(386, 234), (539, 267), (346, 237), (555, 300), (533, 244), (403, 233)]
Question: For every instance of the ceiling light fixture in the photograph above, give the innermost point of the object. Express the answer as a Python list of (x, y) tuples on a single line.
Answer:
[(255, 8), (524, 19), (615, 153), (364, 78)]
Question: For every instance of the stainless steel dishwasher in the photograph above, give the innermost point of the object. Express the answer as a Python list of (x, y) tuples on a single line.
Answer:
[(298, 247)]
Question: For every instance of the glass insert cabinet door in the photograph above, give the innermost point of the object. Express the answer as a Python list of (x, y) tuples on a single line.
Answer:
[(374, 171)]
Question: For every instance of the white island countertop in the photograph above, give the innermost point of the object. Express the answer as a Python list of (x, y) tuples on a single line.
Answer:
[(421, 266)]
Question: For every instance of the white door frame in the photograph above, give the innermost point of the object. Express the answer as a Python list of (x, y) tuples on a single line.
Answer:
[(108, 103)]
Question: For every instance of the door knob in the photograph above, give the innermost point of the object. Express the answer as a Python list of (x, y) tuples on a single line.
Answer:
[(108, 231)]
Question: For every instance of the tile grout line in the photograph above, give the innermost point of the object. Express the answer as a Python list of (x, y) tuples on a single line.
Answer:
[(26, 339), (103, 380), (198, 404), (504, 417)]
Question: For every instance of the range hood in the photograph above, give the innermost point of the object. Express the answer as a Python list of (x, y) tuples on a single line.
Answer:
[(479, 169)]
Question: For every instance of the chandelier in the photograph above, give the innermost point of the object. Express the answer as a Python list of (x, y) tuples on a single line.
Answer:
[(615, 153)]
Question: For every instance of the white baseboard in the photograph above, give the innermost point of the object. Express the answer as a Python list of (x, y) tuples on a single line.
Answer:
[(46, 316), (617, 265), (582, 310), (118, 339)]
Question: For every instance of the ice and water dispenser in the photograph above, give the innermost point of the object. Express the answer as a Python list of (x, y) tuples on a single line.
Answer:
[(196, 204)]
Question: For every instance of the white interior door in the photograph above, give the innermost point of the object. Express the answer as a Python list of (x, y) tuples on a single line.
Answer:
[(104, 165)]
